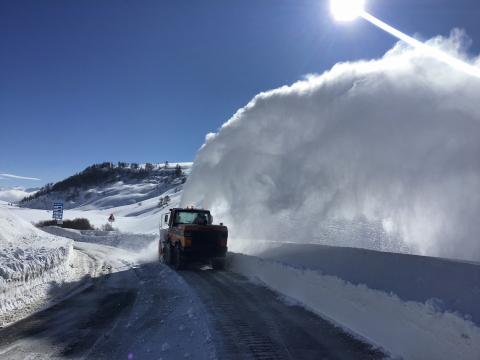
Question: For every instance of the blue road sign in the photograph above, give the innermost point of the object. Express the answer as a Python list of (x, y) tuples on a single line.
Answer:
[(57, 211)]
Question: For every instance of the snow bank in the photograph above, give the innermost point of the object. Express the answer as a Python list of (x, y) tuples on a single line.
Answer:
[(141, 247), (378, 154), (30, 261), (410, 329), (454, 285), (109, 238)]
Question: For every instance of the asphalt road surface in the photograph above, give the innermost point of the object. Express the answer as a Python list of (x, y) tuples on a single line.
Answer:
[(151, 312)]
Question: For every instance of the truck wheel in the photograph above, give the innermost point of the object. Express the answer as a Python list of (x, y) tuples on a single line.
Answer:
[(178, 259), (167, 253)]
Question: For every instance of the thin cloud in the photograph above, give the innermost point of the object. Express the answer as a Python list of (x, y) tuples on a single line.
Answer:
[(11, 176)]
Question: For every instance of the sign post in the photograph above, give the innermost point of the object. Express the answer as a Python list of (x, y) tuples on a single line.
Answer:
[(58, 212)]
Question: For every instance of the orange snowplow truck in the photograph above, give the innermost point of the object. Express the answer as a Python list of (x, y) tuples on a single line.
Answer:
[(188, 234)]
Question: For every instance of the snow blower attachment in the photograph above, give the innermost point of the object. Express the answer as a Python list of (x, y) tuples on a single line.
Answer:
[(188, 235)]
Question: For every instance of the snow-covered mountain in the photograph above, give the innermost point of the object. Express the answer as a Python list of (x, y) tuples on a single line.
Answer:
[(108, 185), (131, 192)]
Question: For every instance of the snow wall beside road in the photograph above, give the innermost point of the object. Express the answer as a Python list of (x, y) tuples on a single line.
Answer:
[(379, 154), (31, 262), (140, 248), (405, 311)]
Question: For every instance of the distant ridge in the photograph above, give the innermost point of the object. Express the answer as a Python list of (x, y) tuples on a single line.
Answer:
[(107, 184)]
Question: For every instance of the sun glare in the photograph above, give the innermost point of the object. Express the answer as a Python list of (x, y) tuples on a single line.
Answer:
[(349, 10), (431, 51), (346, 10)]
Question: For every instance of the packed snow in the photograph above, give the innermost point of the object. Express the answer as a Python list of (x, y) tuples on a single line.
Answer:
[(379, 154)]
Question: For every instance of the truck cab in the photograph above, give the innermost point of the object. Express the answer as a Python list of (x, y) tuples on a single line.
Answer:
[(188, 235)]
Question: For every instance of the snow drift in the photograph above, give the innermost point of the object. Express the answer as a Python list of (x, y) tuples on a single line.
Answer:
[(379, 154)]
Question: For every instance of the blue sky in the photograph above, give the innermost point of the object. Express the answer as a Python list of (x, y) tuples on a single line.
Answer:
[(145, 80)]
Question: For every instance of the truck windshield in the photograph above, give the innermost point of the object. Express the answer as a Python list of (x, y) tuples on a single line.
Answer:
[(193, 217)]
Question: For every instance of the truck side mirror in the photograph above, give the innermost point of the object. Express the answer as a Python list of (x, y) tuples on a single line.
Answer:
[(166, 219)]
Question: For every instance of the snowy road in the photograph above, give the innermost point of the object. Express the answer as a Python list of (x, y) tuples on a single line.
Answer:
[(250, 321), (149, 312)]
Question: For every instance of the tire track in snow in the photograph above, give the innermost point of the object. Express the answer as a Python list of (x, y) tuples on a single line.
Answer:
[(252, 322)]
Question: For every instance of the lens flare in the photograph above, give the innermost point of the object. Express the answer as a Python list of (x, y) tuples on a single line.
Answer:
[(346, 10), (431, 51), (349, 10)]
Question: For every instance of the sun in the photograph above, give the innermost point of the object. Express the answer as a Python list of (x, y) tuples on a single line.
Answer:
[(346, 10)]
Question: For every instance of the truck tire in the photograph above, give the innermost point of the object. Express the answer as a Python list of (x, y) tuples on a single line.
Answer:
[(167, 253), (178, 260)]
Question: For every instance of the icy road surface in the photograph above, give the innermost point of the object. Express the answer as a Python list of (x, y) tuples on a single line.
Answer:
[(150, 312), (250, 321)]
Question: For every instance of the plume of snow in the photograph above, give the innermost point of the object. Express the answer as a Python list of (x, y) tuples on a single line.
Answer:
[(381, 154)]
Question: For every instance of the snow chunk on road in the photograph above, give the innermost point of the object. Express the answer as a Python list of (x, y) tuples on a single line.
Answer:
[(30, 261)]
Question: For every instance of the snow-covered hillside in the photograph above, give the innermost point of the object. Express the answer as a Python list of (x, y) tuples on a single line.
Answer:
[(104, 186), (134, 200), (140, 218)]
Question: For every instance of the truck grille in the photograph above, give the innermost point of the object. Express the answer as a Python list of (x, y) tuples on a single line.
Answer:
[(205, 241)]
